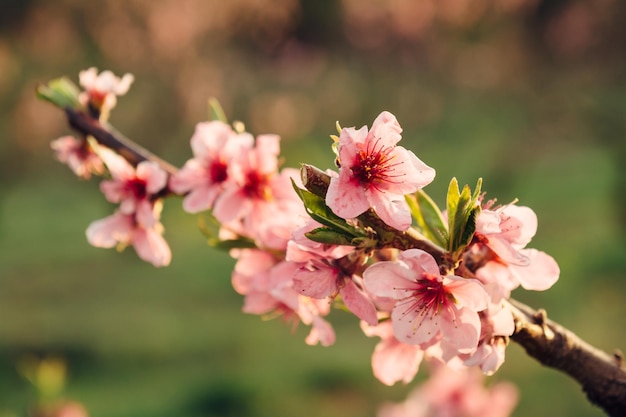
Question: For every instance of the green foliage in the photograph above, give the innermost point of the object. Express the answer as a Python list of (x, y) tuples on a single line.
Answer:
[(462, 212), (216, 112), (61, 92), (429, 218)]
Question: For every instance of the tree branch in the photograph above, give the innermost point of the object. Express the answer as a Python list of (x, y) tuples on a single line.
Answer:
[(108, 137), (601, 376)]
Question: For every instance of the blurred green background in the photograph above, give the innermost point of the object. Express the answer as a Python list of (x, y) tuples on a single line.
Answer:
[(528, 95)]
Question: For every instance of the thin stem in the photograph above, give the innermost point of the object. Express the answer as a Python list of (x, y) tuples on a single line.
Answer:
[(110, 138)]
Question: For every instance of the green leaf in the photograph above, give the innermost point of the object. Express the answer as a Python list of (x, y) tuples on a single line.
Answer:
[(463, 209), (318, 210), (329, 236), (428, 217), (61, 92), (216, 112)]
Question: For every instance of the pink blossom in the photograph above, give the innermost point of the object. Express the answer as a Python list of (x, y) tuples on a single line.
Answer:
[(78, 155), (427, 303), (133, 188), (252, 188), (267, 286), (321, 279), (203, 177), (496, 325), (102, 89), (376, 173), (392, 360), (500, 238), (455, 393), (122, 229)]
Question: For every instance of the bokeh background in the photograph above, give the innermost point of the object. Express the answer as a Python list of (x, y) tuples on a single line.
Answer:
[(527, 94)]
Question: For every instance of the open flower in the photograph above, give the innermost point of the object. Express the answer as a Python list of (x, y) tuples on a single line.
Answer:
[(101, 90), (376, 173), (500, 240), (78, 155), (427, 304), (123, 229), (133, 188), (203, 177)]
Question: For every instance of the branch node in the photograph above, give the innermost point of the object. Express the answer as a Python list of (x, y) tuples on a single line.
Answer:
[(540, 317), (619, 357)]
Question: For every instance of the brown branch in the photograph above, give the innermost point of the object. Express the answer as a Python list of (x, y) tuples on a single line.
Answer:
[(601, 376), (108, 137)]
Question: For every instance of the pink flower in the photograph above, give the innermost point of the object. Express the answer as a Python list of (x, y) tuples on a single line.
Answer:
[(267, 286), (101, 90), (203, 177), (376, 173), (78, 155), (123, 229), (392, 360), (455, 393), (496, 325), (320, 276), (500, 238), (252, 188), (133, 188), (427, 303)]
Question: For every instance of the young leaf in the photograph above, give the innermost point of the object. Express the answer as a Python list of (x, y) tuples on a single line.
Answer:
[(463, 210), (61, 92), (329, 236), (215, 111), (428, 217)]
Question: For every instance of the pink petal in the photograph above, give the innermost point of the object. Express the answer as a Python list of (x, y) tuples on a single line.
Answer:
[(519, 224), (153, 174), (386, 129), (391, 208), (358, 303), (419, 262), (151, 247), (321, 332), (467, 292), (345, 198), (318, 283), (461, 328), (414, 327), (388, 279), (108, 232), (541, 273), (200, 199), (393, 361)]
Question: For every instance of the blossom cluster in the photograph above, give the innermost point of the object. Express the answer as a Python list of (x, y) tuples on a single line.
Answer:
[(446, 305)]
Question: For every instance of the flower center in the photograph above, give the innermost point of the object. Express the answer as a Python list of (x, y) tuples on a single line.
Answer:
[(137, 188), (257, 187), (374, 165), (218, 172)]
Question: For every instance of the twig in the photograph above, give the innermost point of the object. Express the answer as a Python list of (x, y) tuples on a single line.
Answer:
[(601, 376), (114, 140)]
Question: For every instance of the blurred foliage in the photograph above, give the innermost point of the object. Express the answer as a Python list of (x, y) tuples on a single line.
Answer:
[(528, 95)]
